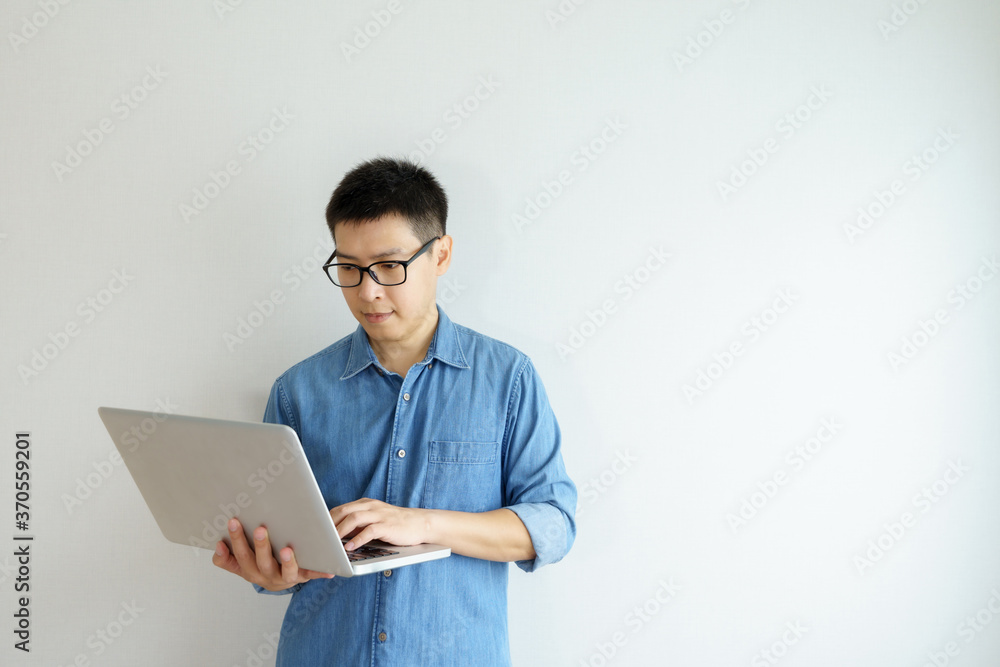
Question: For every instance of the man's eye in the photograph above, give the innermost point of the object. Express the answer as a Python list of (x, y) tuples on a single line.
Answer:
[(389, 266)]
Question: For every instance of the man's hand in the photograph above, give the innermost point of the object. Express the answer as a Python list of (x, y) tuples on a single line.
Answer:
[(366, 520), (261, 568), (497, 535)]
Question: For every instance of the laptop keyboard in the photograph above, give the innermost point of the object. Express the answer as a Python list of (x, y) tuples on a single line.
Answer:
[(366, 552)]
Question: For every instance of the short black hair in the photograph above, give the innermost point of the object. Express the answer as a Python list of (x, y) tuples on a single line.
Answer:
[(385, 186)]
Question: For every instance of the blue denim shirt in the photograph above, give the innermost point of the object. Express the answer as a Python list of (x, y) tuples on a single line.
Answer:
[(478, 434)]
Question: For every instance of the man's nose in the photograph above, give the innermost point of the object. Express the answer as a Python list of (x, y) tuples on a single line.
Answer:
[(368, 290)]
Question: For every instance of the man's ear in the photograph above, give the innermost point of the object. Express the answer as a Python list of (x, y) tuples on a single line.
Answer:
[(442, 254)]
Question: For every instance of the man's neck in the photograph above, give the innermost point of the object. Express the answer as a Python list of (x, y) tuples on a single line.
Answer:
[(398, 356)]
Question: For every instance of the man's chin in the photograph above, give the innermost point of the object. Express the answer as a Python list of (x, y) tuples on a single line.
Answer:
[(382, 331)]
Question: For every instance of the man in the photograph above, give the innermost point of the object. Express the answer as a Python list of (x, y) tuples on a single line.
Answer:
[(418, 430)]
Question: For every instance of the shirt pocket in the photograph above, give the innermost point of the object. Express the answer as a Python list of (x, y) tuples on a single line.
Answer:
[(462, 476)]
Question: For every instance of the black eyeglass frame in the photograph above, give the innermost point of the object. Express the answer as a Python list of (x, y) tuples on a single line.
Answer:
[(368, 269)]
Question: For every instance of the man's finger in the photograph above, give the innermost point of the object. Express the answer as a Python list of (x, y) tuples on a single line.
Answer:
[(241, 550), (313, 574), (291, 573), (289, 567), (338, 513), (350, 523), (362, 538), (263, 556), (223, 559)]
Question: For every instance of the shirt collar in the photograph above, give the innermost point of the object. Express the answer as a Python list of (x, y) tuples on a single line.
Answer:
[(444, 346)]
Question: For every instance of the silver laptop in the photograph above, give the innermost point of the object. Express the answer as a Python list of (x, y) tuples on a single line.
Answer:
[(196, 473)]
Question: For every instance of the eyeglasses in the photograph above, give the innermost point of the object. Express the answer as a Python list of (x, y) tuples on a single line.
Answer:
[(384, 273)]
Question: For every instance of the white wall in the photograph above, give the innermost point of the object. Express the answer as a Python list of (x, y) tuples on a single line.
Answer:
[(887, 82)]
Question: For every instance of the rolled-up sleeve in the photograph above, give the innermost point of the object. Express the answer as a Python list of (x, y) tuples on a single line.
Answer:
[(537, 487), (276, 412)]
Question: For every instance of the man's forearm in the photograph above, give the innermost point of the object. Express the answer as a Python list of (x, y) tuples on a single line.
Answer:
[(498, 535)]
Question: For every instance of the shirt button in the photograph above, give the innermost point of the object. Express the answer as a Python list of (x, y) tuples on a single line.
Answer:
[(401, 453), (406, 397), (382, 636), (388, 573)]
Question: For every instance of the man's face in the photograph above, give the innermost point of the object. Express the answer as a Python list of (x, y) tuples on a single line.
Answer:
[(395, 313)]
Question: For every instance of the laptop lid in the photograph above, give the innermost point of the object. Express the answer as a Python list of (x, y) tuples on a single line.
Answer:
[(194, 473)]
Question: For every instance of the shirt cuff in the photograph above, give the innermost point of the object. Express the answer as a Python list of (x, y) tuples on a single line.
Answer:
[(261, 589), (549, 531)]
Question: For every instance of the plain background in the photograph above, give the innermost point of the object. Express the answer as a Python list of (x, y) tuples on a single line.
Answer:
[(576, 141)]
